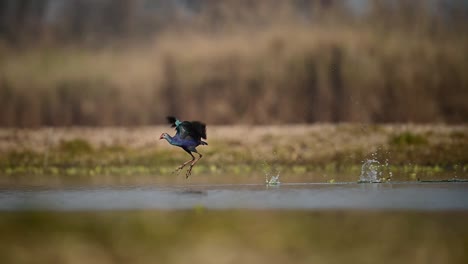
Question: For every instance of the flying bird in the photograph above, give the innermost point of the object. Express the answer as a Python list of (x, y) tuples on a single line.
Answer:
[(189, 135)]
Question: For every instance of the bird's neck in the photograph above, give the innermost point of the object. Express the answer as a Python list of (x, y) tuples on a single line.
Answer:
[(169, 139)]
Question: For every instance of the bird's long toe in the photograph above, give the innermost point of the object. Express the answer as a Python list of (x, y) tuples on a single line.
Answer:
[(189, 172), (177, 171)]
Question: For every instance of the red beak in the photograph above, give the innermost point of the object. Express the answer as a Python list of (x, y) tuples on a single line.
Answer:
[(161, 137)]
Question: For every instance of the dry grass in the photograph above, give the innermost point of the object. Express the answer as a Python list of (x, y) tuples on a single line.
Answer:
[(389, 66), (263, 140)]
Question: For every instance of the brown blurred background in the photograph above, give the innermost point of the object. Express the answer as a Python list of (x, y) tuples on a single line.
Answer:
[(124, 62)]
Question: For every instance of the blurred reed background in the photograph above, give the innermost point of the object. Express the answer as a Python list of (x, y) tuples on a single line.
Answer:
[(124, 62)]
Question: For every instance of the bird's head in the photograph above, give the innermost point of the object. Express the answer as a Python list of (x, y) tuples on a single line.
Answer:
[(163, 136)]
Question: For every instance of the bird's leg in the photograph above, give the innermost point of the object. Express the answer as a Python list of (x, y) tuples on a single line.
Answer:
[(189, 171), (184, 164)]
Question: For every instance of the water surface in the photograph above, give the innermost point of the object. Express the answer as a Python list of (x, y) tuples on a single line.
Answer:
[(411, 196)]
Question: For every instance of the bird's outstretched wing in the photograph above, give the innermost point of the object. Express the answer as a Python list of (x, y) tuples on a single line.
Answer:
[(194, 130), (199, 129), (188, 130), (184, 130)]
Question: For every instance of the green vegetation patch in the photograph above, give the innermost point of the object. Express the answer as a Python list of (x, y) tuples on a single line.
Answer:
[(408, 138), (75, 147)]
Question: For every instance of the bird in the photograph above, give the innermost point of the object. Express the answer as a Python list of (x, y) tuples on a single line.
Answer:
[(189, 135)]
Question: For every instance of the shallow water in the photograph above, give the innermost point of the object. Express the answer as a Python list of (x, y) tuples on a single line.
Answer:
[(411, 196)]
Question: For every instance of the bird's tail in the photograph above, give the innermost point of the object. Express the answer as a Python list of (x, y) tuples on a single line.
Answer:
[(173, 121)]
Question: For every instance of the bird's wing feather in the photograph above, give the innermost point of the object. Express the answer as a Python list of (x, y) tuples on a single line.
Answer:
[(199, 129), (185, 130), (188, 130), (193, 130), (172, 121)]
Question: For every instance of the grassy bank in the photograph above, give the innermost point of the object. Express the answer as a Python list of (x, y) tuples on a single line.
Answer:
[(318, 153), (201, 236)]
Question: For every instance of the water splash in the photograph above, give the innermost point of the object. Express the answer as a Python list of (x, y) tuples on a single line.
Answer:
[(272, 180), (373, 171), (370, 171), (272, 174)]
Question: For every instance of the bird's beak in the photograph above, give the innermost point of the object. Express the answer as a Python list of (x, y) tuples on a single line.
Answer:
[(161, 137)]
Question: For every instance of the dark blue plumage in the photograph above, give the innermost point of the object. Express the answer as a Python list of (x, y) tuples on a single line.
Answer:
[(189, 135)]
